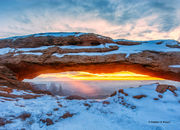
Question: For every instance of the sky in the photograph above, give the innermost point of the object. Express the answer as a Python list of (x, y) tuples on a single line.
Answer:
[(79, 75), (76, 80), (119, 19)]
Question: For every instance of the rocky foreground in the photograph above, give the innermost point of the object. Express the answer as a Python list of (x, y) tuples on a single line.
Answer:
[(29, 56), (148, 107)]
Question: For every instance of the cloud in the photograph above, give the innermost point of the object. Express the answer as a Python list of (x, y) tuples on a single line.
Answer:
[(179, 39), (132, 19)]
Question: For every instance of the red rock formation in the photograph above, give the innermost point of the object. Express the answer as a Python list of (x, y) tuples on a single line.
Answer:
[(106, 102), (66, 115), (17, 64), (32, 41), (161, 88), (113, 94), (4, 121), (160, 96), (122, 91), (24, 116), (139, 96), (155, 98), (48, 121)]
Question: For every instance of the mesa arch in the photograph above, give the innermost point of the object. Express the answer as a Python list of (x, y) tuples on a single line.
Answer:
[(32, 55), (30, 71)]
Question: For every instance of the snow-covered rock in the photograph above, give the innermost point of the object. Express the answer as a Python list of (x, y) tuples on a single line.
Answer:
[(71, 51), (120, 112)]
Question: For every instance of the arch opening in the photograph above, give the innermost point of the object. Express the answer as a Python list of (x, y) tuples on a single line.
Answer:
[(90, 80), (26, 70), (91, 85)]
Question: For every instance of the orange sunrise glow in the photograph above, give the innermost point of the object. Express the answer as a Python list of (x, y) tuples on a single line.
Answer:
[(123, 75)]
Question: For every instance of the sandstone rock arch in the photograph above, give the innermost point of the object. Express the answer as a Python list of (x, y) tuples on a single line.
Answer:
[(29, 56)]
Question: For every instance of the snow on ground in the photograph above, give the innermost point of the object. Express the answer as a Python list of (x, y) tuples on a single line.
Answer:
[(119, 40), (94, 114), (16, 37), (6, 50), (21, 92), (3, 91), (34, 49), (81, 47), (3, 86), (174, 66), (62, 47), (29, 53)]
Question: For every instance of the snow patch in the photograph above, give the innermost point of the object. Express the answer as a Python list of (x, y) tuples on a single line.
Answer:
[(29, 53), (174, 66), (6, 50), (54, 34), (128, 50), (59, 34), (3, 91), (3, 86), (81, 47), (21, 92), (16, 37)]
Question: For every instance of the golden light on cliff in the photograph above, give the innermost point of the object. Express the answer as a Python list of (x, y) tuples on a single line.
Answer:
[(79, 75)]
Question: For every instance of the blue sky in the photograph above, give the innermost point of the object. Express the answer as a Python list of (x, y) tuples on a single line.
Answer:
[(125, 19)]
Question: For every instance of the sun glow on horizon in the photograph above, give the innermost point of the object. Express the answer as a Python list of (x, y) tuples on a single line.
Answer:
[(79, 75)]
